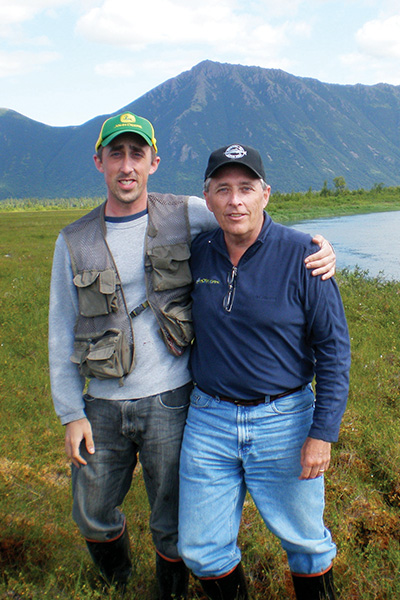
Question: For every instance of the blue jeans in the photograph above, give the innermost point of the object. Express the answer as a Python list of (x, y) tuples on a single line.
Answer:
[(150, 428), (230, 449)]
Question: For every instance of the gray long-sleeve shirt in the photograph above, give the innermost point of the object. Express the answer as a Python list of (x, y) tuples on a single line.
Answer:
[(155, 369)]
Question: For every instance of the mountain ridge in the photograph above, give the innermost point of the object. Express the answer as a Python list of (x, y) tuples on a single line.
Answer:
[(307, 132)]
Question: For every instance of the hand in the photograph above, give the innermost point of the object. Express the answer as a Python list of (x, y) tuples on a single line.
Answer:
[(315, 458), (322, 262), (75, 432)]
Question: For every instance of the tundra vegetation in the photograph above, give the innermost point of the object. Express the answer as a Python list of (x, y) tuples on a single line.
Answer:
[(42, 555)]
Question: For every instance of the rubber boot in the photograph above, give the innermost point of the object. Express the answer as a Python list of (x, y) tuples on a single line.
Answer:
[(173, 579), (113, 560), (317, 587), (232, 586)]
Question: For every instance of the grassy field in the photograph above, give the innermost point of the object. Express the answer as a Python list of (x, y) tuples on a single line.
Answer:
[(41, 552)]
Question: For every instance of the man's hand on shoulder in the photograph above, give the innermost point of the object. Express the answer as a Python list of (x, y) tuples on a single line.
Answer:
[(322, 262), (75, 432)]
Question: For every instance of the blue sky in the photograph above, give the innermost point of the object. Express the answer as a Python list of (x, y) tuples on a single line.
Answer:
[(63, 62)]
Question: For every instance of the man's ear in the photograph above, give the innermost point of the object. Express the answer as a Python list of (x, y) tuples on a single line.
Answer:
[(205, 194), (154, 165), (267, 193), (98, 163)]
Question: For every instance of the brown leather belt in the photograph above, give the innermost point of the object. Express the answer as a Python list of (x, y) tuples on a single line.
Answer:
[(263, 400)]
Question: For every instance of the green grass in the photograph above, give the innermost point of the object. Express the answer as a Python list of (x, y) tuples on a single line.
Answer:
[(42, 554)]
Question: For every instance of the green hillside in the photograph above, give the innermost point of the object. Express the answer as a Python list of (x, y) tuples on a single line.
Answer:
[(306, 131)]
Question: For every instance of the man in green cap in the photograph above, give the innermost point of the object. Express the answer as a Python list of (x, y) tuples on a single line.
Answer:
[(120, 320)]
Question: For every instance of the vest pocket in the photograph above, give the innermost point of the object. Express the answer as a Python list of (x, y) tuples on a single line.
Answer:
[(170, 266), (96, 292), (178, 320), (105, 357)]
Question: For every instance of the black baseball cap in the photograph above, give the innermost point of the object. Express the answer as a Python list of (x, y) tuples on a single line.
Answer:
[(235, 154)]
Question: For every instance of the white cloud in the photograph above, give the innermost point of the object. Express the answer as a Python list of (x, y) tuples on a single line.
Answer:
[(17, 11), (272, 9), (162, 21), (115, 68), (377, 54), (302, 29), (369, 70), (227, 33), (41, 40), (380, 38), (14, 13), (387, 7), (20, 63)]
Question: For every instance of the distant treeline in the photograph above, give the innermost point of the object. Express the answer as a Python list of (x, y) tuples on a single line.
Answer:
[(327, 202), (340, 190), (335, 202), (15, 204)]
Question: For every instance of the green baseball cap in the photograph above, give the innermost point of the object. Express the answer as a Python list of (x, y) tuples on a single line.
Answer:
[(126, 123)]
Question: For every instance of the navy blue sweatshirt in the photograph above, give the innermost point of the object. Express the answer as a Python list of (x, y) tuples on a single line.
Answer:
[(284, 326)]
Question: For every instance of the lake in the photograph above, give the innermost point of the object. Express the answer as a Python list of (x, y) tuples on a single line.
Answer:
[(371, 241)]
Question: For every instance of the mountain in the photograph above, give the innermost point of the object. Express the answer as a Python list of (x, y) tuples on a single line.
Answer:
[(306, 131)]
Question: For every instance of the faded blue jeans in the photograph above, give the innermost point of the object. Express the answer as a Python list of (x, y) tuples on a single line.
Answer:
[(230, 449), (149, 428)]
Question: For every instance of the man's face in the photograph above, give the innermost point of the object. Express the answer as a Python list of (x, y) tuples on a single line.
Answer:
[(126, 163), (237, 199)]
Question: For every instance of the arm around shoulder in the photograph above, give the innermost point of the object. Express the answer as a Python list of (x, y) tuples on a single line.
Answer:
[(322, 262), (200, 218)]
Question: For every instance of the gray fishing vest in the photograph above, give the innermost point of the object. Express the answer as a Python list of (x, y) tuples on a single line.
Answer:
[(104, 340)]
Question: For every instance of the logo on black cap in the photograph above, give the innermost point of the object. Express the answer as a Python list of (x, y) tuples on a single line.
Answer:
[(235, 151)]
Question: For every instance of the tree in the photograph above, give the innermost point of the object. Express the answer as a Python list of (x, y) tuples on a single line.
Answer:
[(378, 187), (325, 190), (339, 183)]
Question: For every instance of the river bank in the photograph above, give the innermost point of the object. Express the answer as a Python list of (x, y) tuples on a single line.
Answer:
[(369, 242), (295, 207)]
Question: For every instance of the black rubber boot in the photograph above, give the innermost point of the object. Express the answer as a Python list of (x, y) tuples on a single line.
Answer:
[(319, 587), (113, 559), (230, 587), (173, 579)]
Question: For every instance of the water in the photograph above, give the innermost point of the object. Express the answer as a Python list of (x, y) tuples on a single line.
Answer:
[(370, 242)]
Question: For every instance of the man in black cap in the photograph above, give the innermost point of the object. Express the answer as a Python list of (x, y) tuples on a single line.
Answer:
[(263, 329)]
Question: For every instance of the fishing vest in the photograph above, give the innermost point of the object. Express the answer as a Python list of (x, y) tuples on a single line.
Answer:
[(104, 341)]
